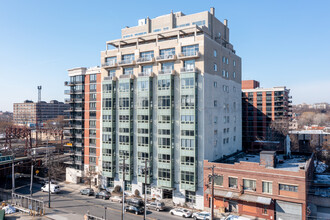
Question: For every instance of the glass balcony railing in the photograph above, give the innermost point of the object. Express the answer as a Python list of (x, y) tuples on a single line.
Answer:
[(166, 57), (110, 63)]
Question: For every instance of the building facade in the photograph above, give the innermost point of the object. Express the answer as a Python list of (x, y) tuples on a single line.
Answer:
[(171, 96), (31, 113), (84, 124), (266, 186), (260, 108)]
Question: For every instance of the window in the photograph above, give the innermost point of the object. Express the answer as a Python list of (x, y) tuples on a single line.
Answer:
[(111, 60), (215, 67), (164, 102), (267, 187), (167, 67), (190, 50), (199, 23), (224, 73), (187, 83), (186, 160), (232, 182), (218, 180), (112, 73), (128, 71), (92, 87), (234, 63), (164, 119), (215, 84), (190, 196), (187, 177), (249, 184), (106, 103), (215, 53), (187, 133), (224, 59), (146, 70), (164, 142), (164, 174), (148, 55), (187, 101), (92, 150), (164, 158), (128, 57), (164, 84), (189, 65), (124, 87), (187, 144), (264, 210), (289, 188), (123, 102), (215, 103), (187, 119), (234, 75), (167, 53), (92, 78)]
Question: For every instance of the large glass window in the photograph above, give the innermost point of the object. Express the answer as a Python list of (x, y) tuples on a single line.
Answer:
[(124, 87), (187, 101), (147, 70), (167, 53), (128, 57), (92, 78), (167, 67), (164, 174), (164, 84), (128, 71), (143, 86), (187, 177), (190, 50), (111, 60), (189, 65), (164, 102), (218, 180), (190, 196), (148, 55), (187, 83), (124, 102)]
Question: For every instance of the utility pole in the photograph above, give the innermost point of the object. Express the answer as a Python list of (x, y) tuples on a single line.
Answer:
[(123, 199), (13, 173), (105, 213), (145, 189), (212, 193), (31, 184), (48, 171)]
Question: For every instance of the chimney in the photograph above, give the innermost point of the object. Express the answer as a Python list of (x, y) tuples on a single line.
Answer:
[(212, 11), (225, 22), (268, 158)]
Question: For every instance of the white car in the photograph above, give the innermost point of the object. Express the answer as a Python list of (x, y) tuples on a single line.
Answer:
[(202, 216), (181, 212), (236, 217), (53, 188)]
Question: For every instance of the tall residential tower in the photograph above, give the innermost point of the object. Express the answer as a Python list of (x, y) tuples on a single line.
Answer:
[(171, 95)]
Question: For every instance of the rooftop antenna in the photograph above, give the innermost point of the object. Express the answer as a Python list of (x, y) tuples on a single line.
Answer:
[(39, 93)]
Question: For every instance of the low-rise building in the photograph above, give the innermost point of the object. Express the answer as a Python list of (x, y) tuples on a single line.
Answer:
[(267, 186)]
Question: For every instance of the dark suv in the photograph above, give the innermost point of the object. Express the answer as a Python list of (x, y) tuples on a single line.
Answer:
[(103, 195), (158, 206), (135, 202), (134, 209), (87, 191)]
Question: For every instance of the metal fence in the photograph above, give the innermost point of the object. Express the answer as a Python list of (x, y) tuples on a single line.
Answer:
[(28, 204)]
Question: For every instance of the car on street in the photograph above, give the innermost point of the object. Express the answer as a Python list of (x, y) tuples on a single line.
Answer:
[(117, 199), (135, 202), (201, 216), (181, 212), (134, 209), (53, 188), (158, 206), (87, 191), (235, 217), (103, 195)]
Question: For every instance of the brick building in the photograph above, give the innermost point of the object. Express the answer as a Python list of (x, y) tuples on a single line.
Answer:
[(267, 186), (261, 107), (31, 113)]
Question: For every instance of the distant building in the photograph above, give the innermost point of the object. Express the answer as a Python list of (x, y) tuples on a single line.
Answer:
[(6, 116), (260, 107), (266, 186), (306, 140), (31, 113)]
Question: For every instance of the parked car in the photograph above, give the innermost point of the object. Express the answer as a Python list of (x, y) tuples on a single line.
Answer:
[(87, 191), (181, 212), (235, 217), (134, 209), (201, 216), (136, 202), (158, 206), (103, 195), (53, 188), (117, 199)]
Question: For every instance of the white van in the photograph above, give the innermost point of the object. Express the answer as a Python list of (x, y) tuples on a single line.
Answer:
[(53, 188)]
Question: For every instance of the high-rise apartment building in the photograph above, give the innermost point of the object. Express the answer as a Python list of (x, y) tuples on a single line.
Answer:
[(84, 126), (171, 95), (261, 107), (31, 113)]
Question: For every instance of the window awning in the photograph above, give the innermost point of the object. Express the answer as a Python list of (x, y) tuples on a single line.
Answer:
[(244, 197)]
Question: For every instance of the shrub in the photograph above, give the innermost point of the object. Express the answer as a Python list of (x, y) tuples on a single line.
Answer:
[(117, 189)]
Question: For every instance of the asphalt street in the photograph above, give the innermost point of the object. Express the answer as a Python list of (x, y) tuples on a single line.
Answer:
[(71, 204)]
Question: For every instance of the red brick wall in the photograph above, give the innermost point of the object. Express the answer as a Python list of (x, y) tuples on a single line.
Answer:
[(250, 84)]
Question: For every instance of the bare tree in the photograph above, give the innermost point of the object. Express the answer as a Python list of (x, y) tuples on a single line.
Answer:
[(89, 176)]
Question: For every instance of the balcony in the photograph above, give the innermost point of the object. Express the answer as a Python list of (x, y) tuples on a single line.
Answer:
[(128, 76), (142, 60), (146, 74), (188, 70), (126, 62), (109, 64), (189, 55), (166, 57), (164, 72)]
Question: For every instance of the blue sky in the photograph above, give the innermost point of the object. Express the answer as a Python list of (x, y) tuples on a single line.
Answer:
[(281, 42)]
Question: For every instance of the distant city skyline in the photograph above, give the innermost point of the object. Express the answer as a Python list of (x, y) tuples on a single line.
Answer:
[(281, 43)]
